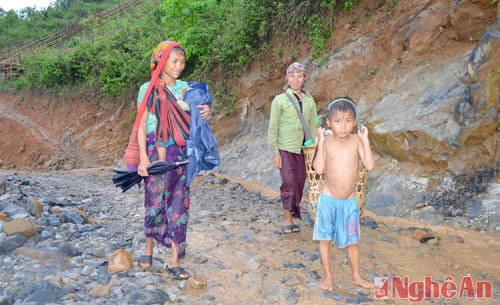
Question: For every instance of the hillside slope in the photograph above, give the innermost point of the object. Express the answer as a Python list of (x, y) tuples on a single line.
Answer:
[(425, 76)]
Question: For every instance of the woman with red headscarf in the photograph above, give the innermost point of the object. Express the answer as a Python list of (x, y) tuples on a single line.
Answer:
[(162, 136)]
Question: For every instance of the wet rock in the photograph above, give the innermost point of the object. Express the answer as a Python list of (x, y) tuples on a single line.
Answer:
[(457, 222), (428, 214), (120, 261), (34, 207), (23, 227), (358, 299), (67, 249), (293, 265), (313, 275), (369, 223), (234, 186), (311, 257), (208, 298), (51, 220), (37, 254), (474, 209), (5, 300), (99, 291), (479, 224), (494, 222), (387, 240), (11, 243), (288, 297), (454, 211), (455, 239), (173, 293), (41, 292), (422, 235), (14, 211), (71, 217), (197, 281)]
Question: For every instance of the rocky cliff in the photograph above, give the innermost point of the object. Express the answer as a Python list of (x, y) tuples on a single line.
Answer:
[(425, 76)]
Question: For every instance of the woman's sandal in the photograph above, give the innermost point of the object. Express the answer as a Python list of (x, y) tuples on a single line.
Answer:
[(145, 261), (178, 273)]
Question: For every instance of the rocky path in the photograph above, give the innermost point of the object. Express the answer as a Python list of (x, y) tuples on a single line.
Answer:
[(61, 228)]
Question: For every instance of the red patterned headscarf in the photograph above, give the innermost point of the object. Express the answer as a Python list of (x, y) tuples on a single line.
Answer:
[(163, 47), (173, 121)]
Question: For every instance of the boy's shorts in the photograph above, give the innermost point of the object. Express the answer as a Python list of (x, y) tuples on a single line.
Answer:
[(337, 220)]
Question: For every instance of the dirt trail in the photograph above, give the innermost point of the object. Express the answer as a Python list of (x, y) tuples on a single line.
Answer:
[(235, 241), (54, 132), (390, 250), (33, 128), (251, 186)]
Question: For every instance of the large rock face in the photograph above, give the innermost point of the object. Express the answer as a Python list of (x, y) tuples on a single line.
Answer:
[(425, 76)]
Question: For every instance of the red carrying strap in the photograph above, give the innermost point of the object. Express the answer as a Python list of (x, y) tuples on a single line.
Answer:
[(176, 121), (154, 77)]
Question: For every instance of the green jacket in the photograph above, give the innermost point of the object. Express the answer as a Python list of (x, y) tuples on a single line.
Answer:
[(285, 130)]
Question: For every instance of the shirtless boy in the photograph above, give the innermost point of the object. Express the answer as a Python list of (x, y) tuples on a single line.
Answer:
[(337, 158)]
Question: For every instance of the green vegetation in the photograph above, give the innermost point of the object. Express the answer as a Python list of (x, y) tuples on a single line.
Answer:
[(111, 55), (392, 4), (348, 5), (29, 25)]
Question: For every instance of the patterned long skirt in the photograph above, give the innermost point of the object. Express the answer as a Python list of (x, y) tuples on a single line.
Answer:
[(293, 179), (167, 200)]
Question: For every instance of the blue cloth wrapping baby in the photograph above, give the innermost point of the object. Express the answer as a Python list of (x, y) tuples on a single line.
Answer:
[(201, 147)]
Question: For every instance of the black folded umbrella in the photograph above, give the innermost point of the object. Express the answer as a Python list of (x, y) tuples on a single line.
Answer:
[(126, 178)]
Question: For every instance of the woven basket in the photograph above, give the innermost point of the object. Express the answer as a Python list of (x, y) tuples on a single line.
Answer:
[(315, 181)]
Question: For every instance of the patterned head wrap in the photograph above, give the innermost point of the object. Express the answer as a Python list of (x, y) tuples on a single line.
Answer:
[(163, 47), (296, 68)]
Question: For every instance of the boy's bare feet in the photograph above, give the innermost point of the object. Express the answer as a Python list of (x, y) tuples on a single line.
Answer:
[(362, 283), (327, 284)]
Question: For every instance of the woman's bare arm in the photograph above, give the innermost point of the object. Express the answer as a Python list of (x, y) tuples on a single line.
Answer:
[(141, 139)]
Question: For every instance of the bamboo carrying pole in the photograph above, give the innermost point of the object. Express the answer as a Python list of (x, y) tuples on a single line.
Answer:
[(315, 182)]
